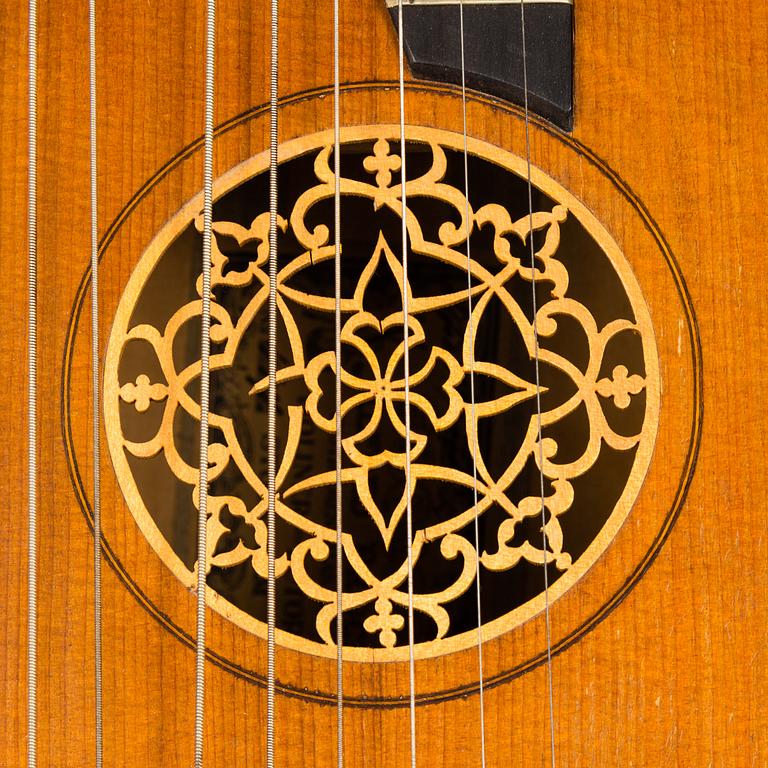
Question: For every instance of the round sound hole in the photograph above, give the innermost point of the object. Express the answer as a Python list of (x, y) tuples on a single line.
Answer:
[(485, 373)]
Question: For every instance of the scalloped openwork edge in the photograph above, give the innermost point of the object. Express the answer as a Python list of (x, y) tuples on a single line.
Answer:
[(302, 146)]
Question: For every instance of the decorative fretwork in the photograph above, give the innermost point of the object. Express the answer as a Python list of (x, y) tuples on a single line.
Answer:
[(601, 372)]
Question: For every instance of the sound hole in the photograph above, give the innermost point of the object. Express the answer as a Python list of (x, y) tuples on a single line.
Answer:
[(597, 394)]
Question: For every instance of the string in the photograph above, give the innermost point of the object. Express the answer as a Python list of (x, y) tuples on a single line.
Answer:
[(534, 302), (205, 342), (407, 393), (473, 411), (272, 399), (337, 297), (96, 390), (32, 479)]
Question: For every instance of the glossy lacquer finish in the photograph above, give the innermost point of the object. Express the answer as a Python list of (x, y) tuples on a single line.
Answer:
[(659, 645)]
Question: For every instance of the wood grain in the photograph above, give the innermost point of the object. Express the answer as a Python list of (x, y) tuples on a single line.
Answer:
[(670, 97)]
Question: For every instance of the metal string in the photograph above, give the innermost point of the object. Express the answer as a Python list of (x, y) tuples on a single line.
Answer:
[(534, 302), (272, 398), (32, 397), (337, 296), (406, 373), (205, 343), (472, 390), (95, 373)]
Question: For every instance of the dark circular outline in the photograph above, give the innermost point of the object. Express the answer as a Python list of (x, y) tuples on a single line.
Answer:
[(381, 702)]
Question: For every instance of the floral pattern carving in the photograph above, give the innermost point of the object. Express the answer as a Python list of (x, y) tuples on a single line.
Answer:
[(371, 372)]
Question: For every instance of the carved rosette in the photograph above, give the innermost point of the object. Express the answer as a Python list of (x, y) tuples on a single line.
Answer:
[(591, 382)]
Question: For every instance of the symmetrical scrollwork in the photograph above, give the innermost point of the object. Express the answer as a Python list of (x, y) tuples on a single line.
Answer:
[(597, 397)]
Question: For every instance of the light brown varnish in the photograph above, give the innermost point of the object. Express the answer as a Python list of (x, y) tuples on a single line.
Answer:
[(671, 97)]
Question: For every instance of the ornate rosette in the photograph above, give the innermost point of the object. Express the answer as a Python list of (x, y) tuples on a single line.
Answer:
[(591, 382)]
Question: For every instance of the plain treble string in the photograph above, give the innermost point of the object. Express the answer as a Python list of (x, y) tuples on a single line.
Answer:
[(96, 382), (545, 542), (337, 334), (473, 411), (406, 373)]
